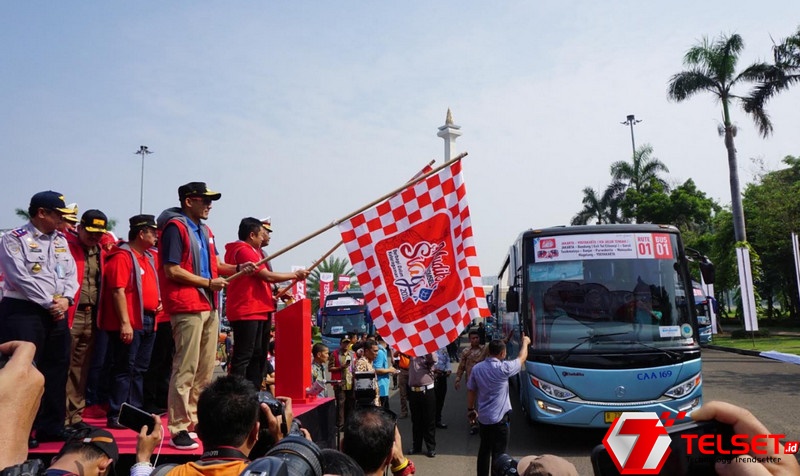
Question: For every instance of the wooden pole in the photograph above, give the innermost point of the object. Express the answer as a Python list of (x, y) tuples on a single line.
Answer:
[(322, 230), (285, 290)]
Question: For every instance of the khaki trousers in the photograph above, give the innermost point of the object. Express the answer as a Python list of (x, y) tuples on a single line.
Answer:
[(80, 361), (195, 337)]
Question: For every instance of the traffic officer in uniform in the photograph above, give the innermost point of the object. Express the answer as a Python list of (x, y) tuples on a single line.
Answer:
[(40, 282)]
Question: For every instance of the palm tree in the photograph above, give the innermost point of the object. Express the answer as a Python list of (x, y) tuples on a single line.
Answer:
[(337, 266), (712, 68), (605, 208), (784, 73), (22, 213), (642, 171)]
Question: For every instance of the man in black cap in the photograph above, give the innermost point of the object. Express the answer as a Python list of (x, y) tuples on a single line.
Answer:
[(84, 244), (40, 285), (131, 300), (90, 452), (190, 280)]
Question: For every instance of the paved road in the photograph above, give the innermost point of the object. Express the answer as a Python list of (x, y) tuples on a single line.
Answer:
[(770, 389)]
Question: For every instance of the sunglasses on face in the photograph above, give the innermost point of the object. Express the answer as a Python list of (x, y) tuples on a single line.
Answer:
[(206, 201)]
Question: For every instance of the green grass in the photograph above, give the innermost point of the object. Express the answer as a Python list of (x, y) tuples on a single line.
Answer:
[(785, 344)]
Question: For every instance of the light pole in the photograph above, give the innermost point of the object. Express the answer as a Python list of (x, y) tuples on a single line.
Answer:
[(142, 151), (630, 121)]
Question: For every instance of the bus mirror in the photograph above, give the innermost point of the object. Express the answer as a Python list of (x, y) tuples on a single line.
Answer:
[(512, 301), (707, 270)]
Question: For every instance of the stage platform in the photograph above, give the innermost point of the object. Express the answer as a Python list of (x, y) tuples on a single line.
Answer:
[(318, 417)]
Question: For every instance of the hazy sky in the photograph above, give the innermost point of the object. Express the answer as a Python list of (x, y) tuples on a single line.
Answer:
[(305, 111)]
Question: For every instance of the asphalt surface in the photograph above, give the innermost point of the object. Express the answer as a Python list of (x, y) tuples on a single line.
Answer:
[(768, 388)]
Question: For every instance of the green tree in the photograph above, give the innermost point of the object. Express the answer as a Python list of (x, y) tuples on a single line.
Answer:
[(783, 73), (773, 208), (643, 170), (337, 266), (685, 207), (22, 213), (712, 68), (601, 209)]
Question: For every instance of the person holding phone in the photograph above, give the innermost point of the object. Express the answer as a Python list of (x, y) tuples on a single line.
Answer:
[(228, 425)]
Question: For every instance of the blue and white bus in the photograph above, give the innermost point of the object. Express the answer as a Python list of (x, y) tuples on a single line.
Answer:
[(611, 316), (343, 313)]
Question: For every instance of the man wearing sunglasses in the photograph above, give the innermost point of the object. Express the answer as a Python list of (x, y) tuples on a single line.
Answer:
[(189, 279)]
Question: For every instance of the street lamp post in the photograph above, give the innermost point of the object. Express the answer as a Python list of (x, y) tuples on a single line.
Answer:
[(142, 151), (630, 121)]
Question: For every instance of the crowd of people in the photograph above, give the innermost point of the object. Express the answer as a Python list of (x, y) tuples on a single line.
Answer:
[(105, 309), (93, 314)]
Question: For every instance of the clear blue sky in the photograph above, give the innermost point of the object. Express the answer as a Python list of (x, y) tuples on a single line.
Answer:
[(306, 110)]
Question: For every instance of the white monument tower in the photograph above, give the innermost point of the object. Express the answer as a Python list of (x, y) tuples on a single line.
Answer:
[(449, 132)]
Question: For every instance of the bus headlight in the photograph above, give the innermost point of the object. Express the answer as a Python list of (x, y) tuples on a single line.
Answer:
[(684, 388), (553, 390)]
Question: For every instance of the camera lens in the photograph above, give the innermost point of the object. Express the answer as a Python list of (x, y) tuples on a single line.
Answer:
[(504, 465), (300, 455)]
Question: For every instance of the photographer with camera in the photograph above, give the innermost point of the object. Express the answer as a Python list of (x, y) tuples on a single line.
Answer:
[(488, 400), (230, 414), (364, 365)]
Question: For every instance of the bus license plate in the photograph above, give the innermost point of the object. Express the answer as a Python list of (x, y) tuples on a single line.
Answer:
[(609, 417)]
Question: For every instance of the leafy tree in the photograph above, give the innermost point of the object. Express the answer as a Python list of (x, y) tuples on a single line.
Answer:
[(773, 208), (685, 207), (337, 266), (780, 76), (712, 68)]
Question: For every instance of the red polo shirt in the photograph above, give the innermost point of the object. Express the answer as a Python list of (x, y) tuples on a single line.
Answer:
[(118, 274), (248, 297)]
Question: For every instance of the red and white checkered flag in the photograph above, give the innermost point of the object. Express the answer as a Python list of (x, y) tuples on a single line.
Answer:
[(414, 257)]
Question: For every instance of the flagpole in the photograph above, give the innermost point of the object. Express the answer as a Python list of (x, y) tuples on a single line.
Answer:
[(322, 230), (283, 291)]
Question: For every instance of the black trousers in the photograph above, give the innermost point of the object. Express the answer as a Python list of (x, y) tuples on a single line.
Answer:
[(494, 440), (440, 389), (423, 419), (30, 322), (249, 353), (156, 379)]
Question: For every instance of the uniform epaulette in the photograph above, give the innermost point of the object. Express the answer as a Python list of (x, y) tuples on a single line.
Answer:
[(19, 232)]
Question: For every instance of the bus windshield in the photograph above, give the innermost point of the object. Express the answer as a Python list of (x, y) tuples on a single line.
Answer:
[(601, 293), (344, 313)]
